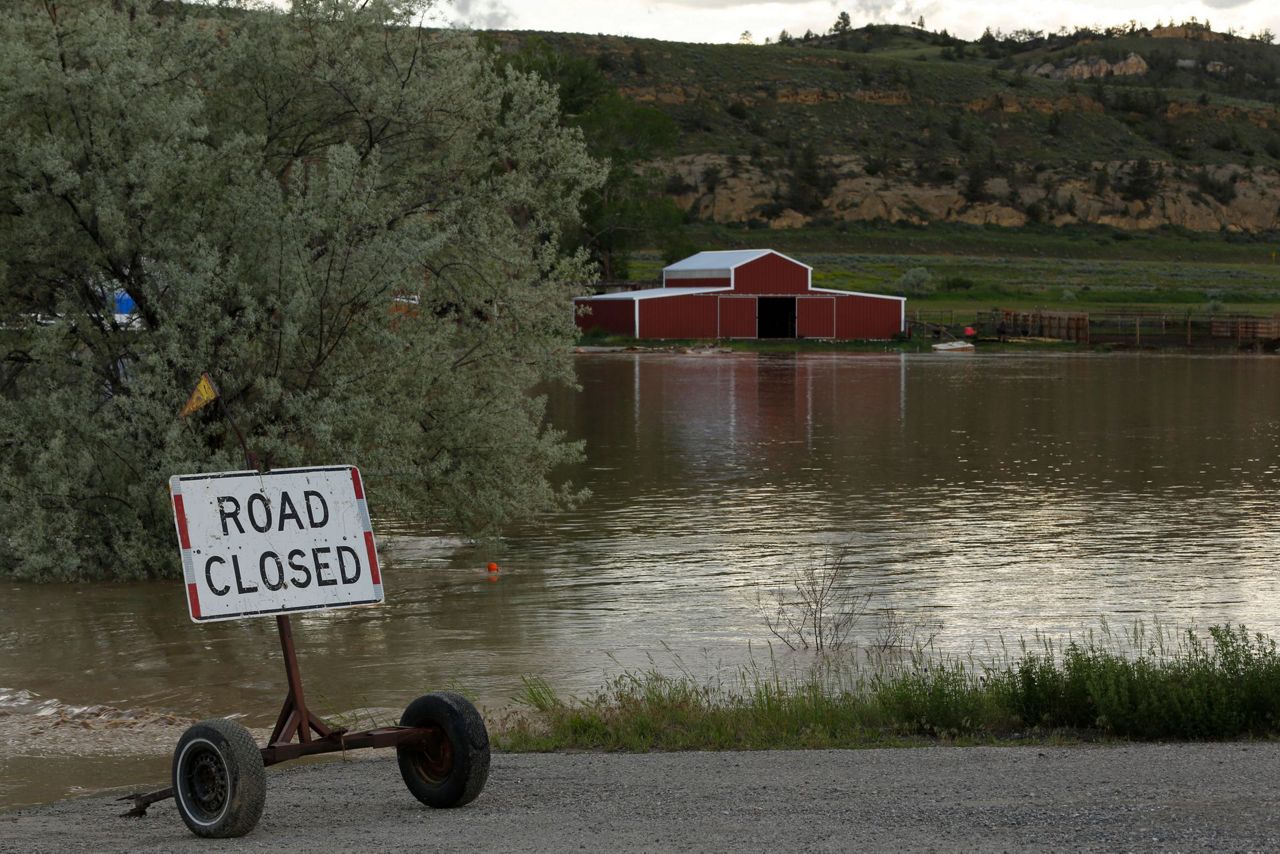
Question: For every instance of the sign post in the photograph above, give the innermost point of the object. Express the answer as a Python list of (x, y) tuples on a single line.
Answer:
[(261, 544), (258, 544)]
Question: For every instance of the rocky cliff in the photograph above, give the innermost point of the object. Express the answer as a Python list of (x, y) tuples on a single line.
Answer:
[(1094, 66), (1123, 194)]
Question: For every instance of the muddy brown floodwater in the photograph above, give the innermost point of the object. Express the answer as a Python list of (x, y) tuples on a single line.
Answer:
[(991, 496)]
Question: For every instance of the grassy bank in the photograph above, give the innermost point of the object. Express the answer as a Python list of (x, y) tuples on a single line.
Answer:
[(976, 268), (1144, 685)]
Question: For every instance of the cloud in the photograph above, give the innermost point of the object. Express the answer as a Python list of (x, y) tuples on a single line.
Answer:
[(724, 20), (733, 4), (483, 14)]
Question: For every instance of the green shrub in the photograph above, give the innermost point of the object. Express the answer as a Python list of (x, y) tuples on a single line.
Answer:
[(916, 282), (957, 283), (1164, 686)]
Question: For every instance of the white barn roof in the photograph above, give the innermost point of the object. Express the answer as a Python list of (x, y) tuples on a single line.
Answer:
[(718, 264), (652, 293)]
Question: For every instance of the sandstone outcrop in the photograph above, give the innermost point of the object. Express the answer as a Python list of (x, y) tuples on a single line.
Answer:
[(1014, 104), (1191, 32), (1094, 66), (756, 192)]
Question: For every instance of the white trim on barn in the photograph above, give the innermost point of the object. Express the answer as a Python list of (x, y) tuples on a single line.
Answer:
[(903, 300), (721, 263), (653, 293)]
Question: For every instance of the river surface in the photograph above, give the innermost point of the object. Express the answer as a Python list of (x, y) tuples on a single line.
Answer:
[(984, 497)]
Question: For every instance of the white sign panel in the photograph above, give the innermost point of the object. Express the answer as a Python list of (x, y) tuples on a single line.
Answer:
[(256, 544)]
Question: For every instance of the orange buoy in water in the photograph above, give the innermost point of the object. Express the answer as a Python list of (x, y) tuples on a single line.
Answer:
[(493, 567)]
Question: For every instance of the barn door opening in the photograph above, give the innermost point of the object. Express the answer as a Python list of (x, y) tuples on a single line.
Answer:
[(776, 317)]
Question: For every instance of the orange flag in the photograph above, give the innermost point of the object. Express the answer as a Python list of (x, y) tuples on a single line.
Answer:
[(204, 395)]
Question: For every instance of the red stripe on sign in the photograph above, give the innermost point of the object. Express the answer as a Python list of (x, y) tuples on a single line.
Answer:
[(355, 480), (373, 558), (180, 514), (194, 599)]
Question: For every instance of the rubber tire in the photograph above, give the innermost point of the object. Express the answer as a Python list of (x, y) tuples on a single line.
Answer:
[(220, 744), (464, 729)]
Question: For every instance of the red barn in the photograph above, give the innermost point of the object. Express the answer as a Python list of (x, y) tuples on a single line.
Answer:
[(742, 293)]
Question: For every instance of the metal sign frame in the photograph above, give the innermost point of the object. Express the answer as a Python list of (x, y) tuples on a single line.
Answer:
[(262, 535)]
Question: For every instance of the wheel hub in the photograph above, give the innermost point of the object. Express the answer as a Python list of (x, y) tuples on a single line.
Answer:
[(435, 759), (208, 783)]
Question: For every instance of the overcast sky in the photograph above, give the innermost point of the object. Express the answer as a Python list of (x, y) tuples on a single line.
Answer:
[(725, 20)]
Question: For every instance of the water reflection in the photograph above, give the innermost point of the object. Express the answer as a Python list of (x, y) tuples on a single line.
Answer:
[(998, 495)]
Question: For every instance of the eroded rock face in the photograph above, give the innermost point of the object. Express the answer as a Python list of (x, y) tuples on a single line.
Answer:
[(1013, 104), (747, 191), (1186, 31), (1094, 66), (1267, 118)]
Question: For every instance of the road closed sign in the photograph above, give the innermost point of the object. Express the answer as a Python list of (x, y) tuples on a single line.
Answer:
[(257, 544)]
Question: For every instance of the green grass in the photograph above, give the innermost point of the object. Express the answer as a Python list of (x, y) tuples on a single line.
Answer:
[(1143, 686), (978, 268), (1078, 242)]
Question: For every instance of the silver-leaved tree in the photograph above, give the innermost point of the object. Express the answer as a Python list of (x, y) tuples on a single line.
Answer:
[(352, 223)]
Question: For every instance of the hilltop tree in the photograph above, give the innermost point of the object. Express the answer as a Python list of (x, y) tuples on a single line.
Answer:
[(842, 24), (264, 185), (629, 208)]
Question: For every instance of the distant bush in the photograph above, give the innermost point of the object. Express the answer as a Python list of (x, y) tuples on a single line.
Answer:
[(975, 185), (957, 283), (1142, 181), (676, 185), (1221, 189), (711, 178), (916, 282), (770, 210)]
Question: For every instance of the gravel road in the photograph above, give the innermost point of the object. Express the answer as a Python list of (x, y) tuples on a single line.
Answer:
[(1134, 797)]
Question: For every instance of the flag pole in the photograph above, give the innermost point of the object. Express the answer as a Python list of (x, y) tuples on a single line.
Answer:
[(249, 459)]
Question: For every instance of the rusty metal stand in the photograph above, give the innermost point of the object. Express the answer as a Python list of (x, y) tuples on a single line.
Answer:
[(295, 718), (313, 735)]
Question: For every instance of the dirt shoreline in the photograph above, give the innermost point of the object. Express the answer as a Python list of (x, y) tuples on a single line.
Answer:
[(1115, 797)]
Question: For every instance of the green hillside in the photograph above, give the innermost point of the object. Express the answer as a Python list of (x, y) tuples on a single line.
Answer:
[(1152, 155), (904, 93)]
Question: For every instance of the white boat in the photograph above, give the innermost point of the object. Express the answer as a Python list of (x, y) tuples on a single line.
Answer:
[(953, 347)]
